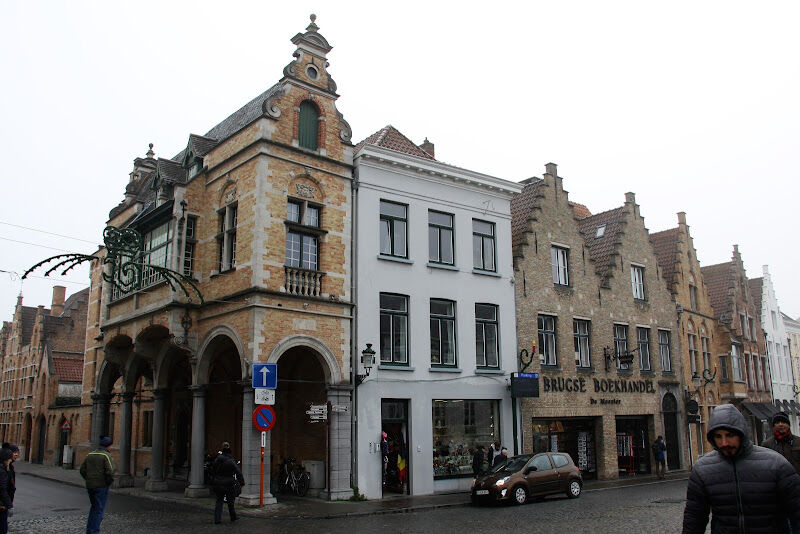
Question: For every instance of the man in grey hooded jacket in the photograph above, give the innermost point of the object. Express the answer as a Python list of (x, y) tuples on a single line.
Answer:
[(746, 488)]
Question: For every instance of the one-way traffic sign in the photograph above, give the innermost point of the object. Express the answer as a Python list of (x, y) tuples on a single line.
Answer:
[(265, 375)]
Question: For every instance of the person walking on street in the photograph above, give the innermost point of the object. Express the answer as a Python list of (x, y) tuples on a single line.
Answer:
[(97, 470), (783, 441), (502, 457), (494, 452), (12, 482), (6, 498), (659, 454), (228, 482), (478, 460), (746, 488)]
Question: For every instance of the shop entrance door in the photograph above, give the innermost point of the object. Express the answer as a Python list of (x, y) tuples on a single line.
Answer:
[(395, 457), (633, 447), (669, 407)]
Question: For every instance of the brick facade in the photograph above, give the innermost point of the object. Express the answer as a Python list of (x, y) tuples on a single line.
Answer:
[(590, 406)]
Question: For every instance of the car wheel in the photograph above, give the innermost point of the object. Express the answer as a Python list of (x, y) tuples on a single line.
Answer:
[(520, 495), (574, 489)]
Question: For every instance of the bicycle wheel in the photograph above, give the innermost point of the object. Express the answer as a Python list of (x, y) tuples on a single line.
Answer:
[(302, 484)]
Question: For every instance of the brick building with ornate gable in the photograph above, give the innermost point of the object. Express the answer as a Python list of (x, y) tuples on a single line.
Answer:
[(744, 366), (592, 308), (257, 212), (41, 369)]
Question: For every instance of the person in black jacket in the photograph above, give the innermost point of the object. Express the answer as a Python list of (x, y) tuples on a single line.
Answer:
[(746, 488), (783, 441), (12, 483), (478, 459), (6, 500), (228, 480)]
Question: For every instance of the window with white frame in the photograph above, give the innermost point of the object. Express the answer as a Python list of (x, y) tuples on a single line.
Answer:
[(226, 238), (765, 370), (483, 245), (547, 339), (580, 330), (705, 345), (752, 323), (393, 229), (693, 352), (443, 333), (559, 262), (637, 282), (302, 234), (665, 350), (643, 343), (736, 363), (394, 329), (440, 237), (486, 342), (189, 246), (723, 365), (621, 345), (743, 324)]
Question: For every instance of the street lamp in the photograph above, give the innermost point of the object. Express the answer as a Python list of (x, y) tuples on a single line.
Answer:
[(367, 360)]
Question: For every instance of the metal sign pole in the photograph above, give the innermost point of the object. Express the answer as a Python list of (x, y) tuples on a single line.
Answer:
[(261, 479)]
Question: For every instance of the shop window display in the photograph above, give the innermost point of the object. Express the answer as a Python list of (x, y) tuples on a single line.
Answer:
[(459, 426), (572, 436)]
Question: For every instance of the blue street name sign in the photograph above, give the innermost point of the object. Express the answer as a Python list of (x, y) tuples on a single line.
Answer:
[(528, 375), (265, 375)]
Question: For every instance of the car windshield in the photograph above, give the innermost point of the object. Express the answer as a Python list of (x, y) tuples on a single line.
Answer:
[(512, 464)]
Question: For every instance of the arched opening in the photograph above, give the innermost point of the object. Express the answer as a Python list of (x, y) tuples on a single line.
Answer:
[(224, 397), (27, 431), (308, 127), (301, 382), (178, 418), (63, 439), (41, 439), (669, 410)]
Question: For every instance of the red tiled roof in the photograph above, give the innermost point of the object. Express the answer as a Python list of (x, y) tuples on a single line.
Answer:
[(389, 137), (602, 249), (665, 245), (580, 210), (68, 369), (521, 207), (756, 288), (718, 280)]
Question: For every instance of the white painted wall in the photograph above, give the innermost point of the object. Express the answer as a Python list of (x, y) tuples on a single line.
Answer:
[(388, 175), (777, 343)]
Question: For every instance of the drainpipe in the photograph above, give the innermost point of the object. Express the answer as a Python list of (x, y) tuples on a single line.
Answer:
[(354, 331)]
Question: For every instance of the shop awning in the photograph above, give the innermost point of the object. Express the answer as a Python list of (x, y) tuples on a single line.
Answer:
[(761, 410)]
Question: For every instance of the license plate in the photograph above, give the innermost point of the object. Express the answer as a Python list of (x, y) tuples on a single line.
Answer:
[(482, 492)]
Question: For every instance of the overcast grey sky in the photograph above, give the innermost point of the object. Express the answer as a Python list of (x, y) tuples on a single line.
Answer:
[(693, 106)]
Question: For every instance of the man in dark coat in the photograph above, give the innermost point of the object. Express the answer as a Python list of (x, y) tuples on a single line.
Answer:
[(783, 441), (98, 471), (227, 476), (746, 488), (478, 459)]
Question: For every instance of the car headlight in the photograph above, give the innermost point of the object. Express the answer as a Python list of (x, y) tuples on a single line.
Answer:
[(502, 481)]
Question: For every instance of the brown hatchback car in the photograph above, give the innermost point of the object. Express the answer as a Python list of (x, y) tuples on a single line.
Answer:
[(529, 475)]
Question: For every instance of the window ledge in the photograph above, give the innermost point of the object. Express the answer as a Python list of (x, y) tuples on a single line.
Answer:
[(444, 370), (487, 371), (443, 266), (586, 370), (385, 367), (220, 273), (397, 259), (486, 273)]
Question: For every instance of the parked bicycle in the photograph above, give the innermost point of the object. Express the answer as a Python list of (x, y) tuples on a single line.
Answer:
[(292, 477)]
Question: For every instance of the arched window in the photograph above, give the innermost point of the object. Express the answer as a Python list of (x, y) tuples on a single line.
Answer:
[(309, 125)]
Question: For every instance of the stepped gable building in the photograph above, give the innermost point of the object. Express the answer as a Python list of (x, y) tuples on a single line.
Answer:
[(601, 328), (42, 369), (436, 300), (701, 342), (793, 333), (740, 329), (257, 212), (777, 343)]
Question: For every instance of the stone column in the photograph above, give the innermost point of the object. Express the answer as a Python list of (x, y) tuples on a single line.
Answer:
[(156, 481), (100, 405), (123, 478), (251, 453), (197, 487), (339, 441)]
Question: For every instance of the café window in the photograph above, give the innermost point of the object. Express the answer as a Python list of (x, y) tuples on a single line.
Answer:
[(459, 426)]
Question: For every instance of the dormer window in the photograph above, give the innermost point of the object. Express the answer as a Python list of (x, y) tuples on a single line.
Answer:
[(308, 128), (601, 231)]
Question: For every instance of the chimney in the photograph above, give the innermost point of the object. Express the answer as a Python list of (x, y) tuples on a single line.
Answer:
[(57, 307), (630, 198), (427, 146), (681, 217)]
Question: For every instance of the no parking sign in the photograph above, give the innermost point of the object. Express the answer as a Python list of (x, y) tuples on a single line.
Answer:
[(264, 417)]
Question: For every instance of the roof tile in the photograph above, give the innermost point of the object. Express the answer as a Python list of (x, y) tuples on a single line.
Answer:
[(68, 369), (665, 245), (391, 138)]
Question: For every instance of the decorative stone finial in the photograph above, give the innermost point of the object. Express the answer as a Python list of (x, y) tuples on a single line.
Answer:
[(150, 152), (312, 27)]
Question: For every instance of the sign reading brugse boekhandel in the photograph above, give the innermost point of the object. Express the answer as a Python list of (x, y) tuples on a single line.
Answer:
[(265, 375)]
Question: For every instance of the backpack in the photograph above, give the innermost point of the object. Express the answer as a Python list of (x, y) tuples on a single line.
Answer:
[(656, 448)]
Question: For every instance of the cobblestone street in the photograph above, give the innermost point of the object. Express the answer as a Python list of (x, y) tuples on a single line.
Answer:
[(650, 507)]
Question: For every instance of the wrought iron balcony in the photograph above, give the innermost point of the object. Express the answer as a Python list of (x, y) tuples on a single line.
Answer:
[(302, 282)]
